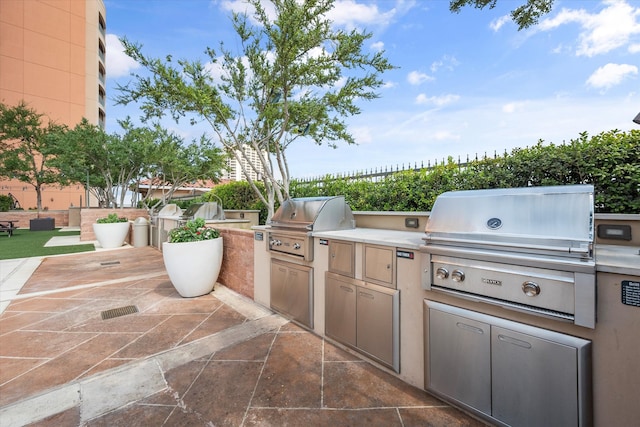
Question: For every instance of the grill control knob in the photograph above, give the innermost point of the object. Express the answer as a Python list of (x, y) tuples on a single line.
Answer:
[(530, 289), (296, 246), (442, 273), (457, 276), (275, 243)]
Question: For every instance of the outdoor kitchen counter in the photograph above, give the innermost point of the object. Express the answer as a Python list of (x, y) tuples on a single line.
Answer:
[(618, 259), (374, 236)]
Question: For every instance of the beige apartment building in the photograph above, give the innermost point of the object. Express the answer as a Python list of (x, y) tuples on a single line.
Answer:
[(53, 56)]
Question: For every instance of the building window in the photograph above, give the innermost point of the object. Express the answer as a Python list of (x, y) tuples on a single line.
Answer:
[(101, 24), (102, 117), (102, 74), (101, 50)]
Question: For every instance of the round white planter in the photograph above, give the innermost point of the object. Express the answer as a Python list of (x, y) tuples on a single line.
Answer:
[(111, 235), (193, 267)]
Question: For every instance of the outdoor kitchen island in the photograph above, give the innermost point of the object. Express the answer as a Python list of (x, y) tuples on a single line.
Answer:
[(615, 342)]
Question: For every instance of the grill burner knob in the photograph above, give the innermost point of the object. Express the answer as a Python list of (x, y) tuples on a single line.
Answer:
[(530, 289), (296, 246), (275, 243), (457, 276), (442, 273)]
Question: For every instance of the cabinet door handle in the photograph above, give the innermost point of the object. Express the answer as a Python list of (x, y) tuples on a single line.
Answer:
[(469, 328), (514, 341), (366, 295), (346, 288)]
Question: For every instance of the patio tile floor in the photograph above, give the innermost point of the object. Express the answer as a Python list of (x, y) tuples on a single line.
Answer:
[(218, 364)]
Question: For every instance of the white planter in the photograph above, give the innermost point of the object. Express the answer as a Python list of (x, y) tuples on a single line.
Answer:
[(193, 267), (111, 235)]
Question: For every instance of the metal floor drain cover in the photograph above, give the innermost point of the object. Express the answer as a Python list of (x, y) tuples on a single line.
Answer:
[(120, 311), (110, 263)]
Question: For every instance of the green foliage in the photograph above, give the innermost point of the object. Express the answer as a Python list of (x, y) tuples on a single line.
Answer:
[(111, 218), (26, 143), (609, 161), (281, 83), (193, 231), (5, 203), (116, 163), (238, 195), (524, 16)]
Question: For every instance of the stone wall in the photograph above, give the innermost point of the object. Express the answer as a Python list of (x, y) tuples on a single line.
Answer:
[(61, 218), (237, 262), (89, 216)]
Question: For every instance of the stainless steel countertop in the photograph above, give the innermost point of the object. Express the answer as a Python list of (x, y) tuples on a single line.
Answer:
[(609, 258), (618, 259), (374, 236)]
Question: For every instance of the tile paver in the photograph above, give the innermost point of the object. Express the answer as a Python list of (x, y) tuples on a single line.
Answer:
[(281, 376)]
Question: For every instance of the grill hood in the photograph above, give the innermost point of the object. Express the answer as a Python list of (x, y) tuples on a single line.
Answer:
[(314, 214), (555, 219)]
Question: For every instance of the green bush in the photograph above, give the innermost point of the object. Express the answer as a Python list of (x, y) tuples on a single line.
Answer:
[(238, 195), (5, 203), (609, 161)]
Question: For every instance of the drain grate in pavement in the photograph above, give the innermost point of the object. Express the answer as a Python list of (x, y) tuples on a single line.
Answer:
[(110, 263), (120, 311)]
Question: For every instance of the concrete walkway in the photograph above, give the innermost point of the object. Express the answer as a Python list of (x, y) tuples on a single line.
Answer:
[(219, 359)]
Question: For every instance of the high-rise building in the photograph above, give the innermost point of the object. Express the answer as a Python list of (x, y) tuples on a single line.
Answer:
[(234, 170), (53, 56)]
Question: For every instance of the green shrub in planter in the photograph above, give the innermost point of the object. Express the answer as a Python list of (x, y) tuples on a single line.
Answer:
[(111, 218)]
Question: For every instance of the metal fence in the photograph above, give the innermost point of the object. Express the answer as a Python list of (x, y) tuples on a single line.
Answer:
[(379, 174)]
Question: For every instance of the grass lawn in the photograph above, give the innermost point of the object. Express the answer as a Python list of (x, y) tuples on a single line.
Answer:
[(26, 243)]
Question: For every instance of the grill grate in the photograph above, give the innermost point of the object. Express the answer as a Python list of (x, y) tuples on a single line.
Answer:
[(120, 311), (109, 263)]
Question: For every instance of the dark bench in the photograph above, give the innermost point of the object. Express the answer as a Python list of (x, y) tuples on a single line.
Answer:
[(7, 227)]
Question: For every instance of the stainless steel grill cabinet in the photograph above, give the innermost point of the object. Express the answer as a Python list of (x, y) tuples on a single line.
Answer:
[(528, 249), (290, 245)]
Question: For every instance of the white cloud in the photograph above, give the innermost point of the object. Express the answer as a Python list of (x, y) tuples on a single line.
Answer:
[(352, 14), (496, 24), (241, 6), (416, 78), (601, 32), (438, 101), (378, 46), (634, 48), (610, 75), (447, 62), (118, 63), (362, 135), (444, 135), (513, 107)]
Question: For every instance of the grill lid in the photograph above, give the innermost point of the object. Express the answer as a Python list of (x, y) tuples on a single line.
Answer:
[(314, 213), (533, 219)]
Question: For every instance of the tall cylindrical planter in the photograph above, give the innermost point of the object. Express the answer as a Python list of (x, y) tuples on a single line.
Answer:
[(193, 267), (111, 235)]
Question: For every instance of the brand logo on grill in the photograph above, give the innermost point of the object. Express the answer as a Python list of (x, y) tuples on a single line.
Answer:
[(494, 223), (492, 282)]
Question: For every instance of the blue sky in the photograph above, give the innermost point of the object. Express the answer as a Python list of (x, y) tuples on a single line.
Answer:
[(466, 83)]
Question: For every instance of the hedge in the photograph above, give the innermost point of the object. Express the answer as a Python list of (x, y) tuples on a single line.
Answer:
[(610, 161)]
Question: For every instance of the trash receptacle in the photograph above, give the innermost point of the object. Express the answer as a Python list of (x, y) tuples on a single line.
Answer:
[(140, 232)]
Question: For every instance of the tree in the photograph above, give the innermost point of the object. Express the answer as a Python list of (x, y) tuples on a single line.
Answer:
[(293, 78), (116, 163), (525, 16), (25, 149)]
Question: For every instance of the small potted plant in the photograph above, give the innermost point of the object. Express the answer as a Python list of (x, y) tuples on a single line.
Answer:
[(193, 257), (111, 231)]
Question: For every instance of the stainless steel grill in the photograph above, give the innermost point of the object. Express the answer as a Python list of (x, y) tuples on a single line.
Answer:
[(527, 249), (292, 224)]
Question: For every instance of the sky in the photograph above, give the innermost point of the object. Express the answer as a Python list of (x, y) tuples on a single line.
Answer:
[(467, 84)]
